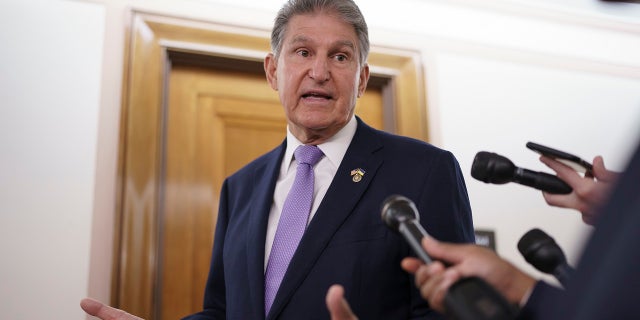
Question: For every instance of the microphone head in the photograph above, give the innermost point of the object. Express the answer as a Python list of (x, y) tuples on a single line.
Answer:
[(541, 251), (491, 167), (397, 209)]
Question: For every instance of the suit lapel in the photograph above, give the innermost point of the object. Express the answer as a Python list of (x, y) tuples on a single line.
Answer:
[(341, 198), (264, 180)]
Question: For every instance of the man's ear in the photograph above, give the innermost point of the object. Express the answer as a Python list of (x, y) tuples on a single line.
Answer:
[(270, 66), (364, 79)]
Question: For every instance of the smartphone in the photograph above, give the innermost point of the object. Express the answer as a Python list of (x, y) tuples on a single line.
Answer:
[(570, 160)]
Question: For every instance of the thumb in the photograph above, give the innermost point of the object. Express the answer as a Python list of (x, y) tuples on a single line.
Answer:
[(91, 306), (339, 308), (446, 252), (102, 311), (601, 172)]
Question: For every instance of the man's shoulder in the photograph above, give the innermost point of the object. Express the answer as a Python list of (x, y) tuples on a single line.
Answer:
[(397, 141), (404, 144)]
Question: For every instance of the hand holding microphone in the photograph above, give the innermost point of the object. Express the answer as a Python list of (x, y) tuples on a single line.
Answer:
[(589, 193), (468, 297), (577, 184)]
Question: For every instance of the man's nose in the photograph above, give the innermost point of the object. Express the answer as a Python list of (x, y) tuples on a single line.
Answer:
[(319, 70)]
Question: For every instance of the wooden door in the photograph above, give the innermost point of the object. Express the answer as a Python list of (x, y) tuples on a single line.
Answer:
[(196, 107), (217, 121)]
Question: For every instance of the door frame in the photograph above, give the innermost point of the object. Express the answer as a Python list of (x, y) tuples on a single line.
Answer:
[(153, 43)]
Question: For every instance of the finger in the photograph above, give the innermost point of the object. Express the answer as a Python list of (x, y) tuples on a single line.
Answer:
[(426, 272), (428, 283), (564, 172), (600, 171), (447, 252), (338, 307), (448, 279), (561, 200), (436, 287), (102, 311), (411, 264), (91, 306)]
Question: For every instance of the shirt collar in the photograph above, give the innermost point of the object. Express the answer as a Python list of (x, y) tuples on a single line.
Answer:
[(334, 149)]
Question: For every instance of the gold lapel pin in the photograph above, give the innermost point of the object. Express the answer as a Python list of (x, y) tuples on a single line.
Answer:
[(356, 174)]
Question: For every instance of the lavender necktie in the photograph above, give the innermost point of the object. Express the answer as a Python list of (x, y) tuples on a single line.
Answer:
[(293, 221)]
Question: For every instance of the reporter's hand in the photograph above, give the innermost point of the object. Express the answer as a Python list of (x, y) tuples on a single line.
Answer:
[(338, 306), (105, 312), (589, 193), (465, 260)]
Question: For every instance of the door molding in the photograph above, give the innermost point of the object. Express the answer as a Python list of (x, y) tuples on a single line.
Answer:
[(154, 43)]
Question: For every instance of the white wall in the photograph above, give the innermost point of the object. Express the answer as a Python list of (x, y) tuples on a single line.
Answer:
[(501, 73), (50, 66), (498, 74)]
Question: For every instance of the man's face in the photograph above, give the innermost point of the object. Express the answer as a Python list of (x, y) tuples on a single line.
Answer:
[(317, 75)]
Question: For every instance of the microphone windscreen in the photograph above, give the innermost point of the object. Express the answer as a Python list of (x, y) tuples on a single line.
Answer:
[(541, 250), (397, 209), (491, 167), (531, 239)]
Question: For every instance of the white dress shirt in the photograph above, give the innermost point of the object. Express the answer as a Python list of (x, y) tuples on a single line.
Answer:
[(324, 171)]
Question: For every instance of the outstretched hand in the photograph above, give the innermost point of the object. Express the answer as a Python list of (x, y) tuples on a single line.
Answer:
[(105, 312), (588, 194)]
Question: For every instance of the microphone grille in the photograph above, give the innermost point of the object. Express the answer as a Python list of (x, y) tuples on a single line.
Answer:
[(541, 251), (531, 240), (480, 166), (490, 167), (396, 209)]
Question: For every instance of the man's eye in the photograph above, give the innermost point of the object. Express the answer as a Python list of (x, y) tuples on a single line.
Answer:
[(341, 57), (303, 53)]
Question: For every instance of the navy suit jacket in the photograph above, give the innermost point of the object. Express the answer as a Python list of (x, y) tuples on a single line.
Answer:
[(346, 242), (606, 283)]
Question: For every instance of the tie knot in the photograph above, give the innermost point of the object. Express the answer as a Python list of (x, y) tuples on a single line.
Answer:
[(308, 154)]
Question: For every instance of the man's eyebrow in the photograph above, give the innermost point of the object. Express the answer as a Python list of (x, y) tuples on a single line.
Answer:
[(300, 38), (347, 43), (342, 43)]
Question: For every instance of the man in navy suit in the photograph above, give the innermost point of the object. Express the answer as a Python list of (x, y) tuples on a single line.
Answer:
[(318, 66)]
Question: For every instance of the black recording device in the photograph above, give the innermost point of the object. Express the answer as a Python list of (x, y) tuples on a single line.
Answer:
[(568, 159), (468, 298), (493, 168), (542, 252)]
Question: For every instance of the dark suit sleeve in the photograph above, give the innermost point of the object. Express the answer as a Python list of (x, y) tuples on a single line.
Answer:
[(539, 300), (214, 306), (445, 211)]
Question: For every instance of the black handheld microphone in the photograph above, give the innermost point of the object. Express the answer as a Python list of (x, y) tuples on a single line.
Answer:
[(542, 252), (491, 167), (468, 298)]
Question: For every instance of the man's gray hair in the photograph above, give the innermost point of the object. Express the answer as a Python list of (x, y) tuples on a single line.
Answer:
[(346, 9)]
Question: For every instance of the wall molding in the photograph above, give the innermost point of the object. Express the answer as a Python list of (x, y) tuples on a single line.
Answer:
[(566, 16)]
